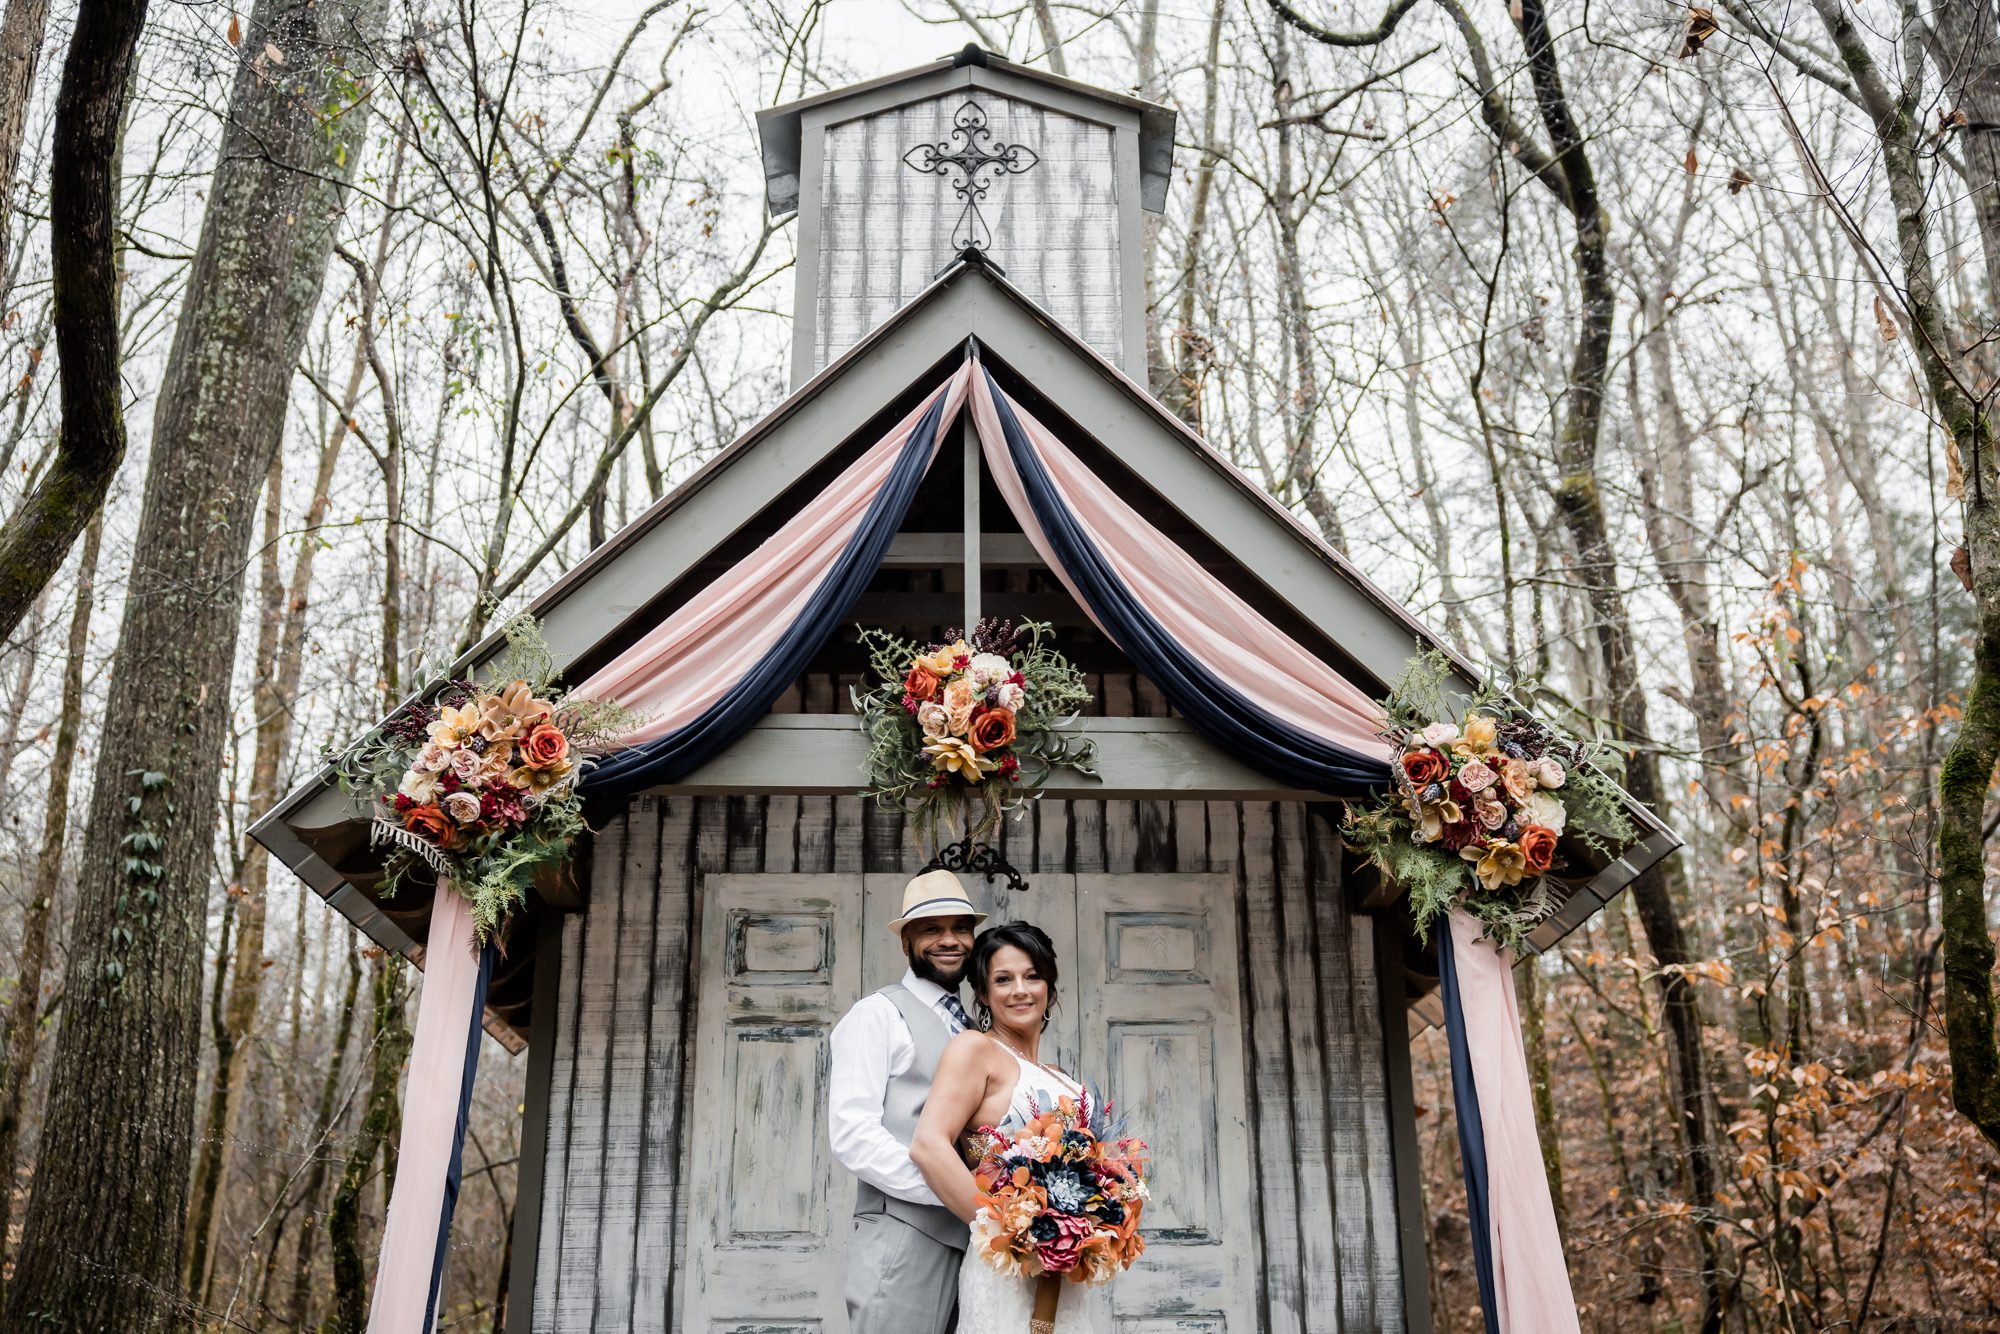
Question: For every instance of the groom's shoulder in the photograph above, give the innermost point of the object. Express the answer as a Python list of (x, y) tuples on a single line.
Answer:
[(875, 1004)]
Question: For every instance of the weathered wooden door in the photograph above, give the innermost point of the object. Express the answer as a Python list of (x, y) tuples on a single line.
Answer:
[(1156, 968), (1151, 1011), (768, 1208)]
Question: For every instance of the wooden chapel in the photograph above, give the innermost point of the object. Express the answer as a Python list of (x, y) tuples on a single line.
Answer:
[(1230, 976)]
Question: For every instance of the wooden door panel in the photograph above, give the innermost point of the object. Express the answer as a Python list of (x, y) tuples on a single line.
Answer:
[(1157, 962), (768, 1207)]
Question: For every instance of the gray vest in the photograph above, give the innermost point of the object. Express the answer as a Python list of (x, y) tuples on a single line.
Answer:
[(902, 1104)]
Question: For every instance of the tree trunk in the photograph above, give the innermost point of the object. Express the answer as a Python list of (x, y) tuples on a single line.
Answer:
[(389, 1045), (24, 1019), (1581, 506), (238, 1012), (1300, 481), (105, 1225), (21, 33), (83, 254), (1534, 1041), (315, 1181), (1966, 775), (1193, 351)]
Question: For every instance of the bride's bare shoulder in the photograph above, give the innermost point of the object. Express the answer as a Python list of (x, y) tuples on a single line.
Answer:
[(971, 1044)]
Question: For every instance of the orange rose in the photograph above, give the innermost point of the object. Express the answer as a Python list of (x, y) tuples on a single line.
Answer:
[(921, 684), (1424, 767), (544, 747), (1538, 845), (429, 822), (991, 729)]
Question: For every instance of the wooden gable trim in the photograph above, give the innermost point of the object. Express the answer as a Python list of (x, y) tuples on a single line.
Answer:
[(1138, 759)]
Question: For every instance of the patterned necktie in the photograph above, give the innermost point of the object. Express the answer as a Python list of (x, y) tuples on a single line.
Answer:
[(955, 1016)]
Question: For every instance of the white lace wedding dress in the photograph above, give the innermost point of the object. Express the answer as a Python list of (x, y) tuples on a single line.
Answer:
[(989, 1303)]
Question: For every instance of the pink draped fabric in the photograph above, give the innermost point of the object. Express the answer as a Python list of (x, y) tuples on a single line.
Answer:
[(1254, 657), (431, 1098), (1531, 1278), (691, 659)]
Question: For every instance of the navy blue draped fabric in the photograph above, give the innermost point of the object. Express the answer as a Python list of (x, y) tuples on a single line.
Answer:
[(487, 954), (1267, 743), (1471, 1132), (679, 753)]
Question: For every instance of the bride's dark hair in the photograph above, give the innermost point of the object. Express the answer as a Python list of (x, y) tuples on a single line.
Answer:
[(1026, 937)]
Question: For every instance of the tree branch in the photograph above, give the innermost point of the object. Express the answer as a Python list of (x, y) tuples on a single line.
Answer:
[(1374, 36)]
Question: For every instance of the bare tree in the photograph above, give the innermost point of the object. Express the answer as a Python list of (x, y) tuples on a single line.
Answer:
[(83, 209), (104, 1224)]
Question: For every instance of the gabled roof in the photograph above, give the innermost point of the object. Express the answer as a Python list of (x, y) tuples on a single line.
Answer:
[(1291, 566)]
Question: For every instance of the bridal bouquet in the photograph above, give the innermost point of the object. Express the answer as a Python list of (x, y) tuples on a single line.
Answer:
[(478, 782), (1479, 808), (1060, 1197), (973, 722)]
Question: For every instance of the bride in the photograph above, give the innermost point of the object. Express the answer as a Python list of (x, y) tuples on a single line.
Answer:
[(988, 1077)]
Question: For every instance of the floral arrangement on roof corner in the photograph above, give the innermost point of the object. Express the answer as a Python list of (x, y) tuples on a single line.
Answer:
[(477, 782), (1478, 809), (1061, 1195), (968, 729)]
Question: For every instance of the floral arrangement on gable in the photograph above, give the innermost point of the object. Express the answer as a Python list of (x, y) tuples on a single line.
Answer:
[(478, 782), (971, 724), (1478, 809)]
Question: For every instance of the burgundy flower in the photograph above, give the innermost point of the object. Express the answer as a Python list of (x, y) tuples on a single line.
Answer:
[(1060, 1253), (1460, 835)]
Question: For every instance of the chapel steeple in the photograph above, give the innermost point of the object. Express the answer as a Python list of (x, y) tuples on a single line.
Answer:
[(895, 178)]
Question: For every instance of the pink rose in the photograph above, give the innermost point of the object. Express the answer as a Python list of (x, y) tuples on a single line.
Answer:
[(1060, 1253), (1549, 772), (461, 806), (465, 765), (1489, 810), (1477, 776)]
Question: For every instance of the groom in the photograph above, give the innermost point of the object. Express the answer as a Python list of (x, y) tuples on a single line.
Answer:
[(903, 1259)]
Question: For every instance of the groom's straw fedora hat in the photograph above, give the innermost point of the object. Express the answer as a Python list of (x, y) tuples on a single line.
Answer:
[(935, 894)]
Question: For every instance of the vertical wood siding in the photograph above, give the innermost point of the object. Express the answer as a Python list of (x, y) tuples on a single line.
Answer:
[(1324, 1194), (885, 228)]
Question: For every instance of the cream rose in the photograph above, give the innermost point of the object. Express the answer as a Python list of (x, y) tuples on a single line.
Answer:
[(420, 784), (1543, 809), (461, 806)]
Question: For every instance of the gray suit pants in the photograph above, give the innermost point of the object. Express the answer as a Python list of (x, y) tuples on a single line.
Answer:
[(899, 1281)]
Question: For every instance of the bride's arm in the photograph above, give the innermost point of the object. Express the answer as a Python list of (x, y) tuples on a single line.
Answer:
[(956, 1093)]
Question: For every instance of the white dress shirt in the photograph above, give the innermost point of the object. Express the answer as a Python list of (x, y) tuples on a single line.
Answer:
[(872, 1045)]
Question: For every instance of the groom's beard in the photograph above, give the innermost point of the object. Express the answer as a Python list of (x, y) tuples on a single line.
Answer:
[(930, 972)]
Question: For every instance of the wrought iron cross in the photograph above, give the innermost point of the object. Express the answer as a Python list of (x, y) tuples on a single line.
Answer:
[(972, 168)]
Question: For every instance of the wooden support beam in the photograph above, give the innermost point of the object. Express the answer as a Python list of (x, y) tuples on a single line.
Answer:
[(1138, 759)]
